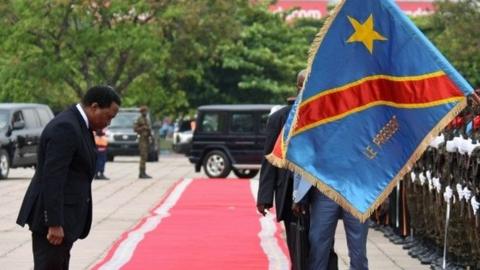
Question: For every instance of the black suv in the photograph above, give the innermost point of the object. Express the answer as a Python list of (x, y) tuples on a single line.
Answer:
[(229, 137), (123, 140), (21, 125)]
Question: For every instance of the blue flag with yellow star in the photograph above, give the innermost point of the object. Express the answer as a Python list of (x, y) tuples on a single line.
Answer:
[(377, 92)]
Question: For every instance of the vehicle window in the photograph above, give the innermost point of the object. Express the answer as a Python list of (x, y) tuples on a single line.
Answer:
[(210, 122), (44, 115), (17, 117), (263, 122), (124, 120), (184, 125), (31, 118), (4, 119), (242, 123)]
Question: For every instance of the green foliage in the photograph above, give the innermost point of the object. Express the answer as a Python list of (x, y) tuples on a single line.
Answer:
[(171, 55), (454, 30), (260, 65), (174, 55), (65, 47)]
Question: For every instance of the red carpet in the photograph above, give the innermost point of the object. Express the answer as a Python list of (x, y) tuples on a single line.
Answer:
[(202, 224)]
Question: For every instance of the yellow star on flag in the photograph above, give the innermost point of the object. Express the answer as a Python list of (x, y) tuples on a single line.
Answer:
[(364, 33)]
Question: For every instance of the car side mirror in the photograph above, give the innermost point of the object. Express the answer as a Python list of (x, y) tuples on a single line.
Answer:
[(18, 125)]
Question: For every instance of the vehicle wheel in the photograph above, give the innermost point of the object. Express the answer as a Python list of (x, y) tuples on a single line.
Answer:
[(110, 158), (152, 156), (245, 173), (4, 164), (216, 164)]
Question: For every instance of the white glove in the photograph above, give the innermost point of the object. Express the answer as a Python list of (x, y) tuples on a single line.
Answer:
[(460, 192), (413, 177), (448, 194), (464, 145), (475, 205), (422, 178), (436, 184), (437, 141), (467, 194), (430, 184), (429, 175)]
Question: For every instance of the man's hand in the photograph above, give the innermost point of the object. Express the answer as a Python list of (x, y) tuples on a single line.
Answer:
[(55, 235), (262, 208), (299, 209)]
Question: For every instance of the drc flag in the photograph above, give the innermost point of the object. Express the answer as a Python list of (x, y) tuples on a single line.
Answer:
[(377, 92)]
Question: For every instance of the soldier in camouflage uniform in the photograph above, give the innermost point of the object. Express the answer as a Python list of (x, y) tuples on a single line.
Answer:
[(144, 132)]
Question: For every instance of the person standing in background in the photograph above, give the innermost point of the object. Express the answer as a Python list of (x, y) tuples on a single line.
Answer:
[(142, 128), (101, 143)]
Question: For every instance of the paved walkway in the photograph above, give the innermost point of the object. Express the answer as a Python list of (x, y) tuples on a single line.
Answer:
[(120, 202)]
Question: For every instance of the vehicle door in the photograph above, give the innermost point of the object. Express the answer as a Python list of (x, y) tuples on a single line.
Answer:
[(18, 139), (210, 132), (241, 138), (261, 134), (45, 115), (32, 131)]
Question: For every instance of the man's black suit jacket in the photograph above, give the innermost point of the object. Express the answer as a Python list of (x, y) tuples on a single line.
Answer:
[(60, 191), (274, 181)]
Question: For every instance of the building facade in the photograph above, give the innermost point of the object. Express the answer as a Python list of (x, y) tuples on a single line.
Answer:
[(317, 9)]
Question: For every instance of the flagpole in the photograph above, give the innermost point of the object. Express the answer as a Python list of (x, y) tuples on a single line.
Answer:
[(447, 195)]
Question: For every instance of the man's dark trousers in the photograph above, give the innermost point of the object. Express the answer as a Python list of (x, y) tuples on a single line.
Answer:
[(323, 222), (47, 256), (291, 242)]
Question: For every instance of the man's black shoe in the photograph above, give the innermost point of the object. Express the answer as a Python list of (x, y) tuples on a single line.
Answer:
[(411, 244), (144, 176), (410, 239), (416, 248), (439, 267), (398, 240), (415, 253), (429, 257), (101, 176), (373, 225), (395, 237), (380, 228), (438, 261), (388, 231)]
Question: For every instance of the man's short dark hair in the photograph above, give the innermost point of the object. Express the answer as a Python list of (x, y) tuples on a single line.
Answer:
[(104, 95)]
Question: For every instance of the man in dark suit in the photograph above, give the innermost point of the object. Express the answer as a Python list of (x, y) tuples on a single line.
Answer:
[(58, 203), (279, 182), (275, 182)]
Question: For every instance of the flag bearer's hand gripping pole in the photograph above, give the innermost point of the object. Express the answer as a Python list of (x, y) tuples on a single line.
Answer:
[(476, 98)]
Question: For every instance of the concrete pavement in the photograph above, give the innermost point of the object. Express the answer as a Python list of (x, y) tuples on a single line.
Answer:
[(123, 200)]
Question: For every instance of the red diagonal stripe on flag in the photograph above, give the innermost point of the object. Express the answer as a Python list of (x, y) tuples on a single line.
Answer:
[(277, 150), (414, 93)]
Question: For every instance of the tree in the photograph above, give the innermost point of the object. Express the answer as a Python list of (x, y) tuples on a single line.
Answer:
[(80, 43), (261, 63), (171, 55), (453, 29), (61, 48)]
